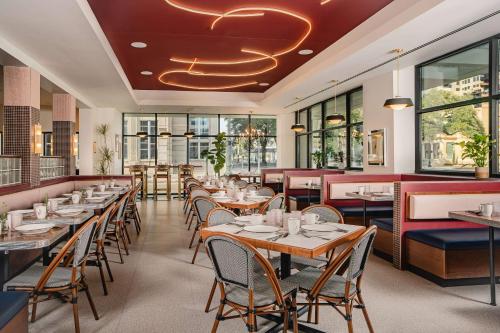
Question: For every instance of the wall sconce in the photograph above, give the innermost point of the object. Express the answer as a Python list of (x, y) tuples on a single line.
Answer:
[(94, 147), (75, 144), (37, 139)]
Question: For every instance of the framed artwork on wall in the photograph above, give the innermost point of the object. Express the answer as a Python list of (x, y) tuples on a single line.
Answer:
[(376, 147)]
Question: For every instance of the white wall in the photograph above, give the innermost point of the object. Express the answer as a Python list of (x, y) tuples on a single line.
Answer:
[(399, 125), (285, 140), (89, 120), (46, 119)]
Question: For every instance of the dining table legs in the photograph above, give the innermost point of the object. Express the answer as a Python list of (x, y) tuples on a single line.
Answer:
[(4, 268), (285, 265), (492, 266)]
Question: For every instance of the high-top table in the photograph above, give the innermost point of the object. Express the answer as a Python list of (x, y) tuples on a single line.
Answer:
[(299, 245), (492, 223)]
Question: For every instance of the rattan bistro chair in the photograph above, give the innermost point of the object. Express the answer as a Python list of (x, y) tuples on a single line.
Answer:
[(266, 191), (97, 255), (275, 202), (131, 212), (325, 212), (184, 171), (241, 183), (246, 290), (193, 194), (189, 182), (328, 288), (58, 281), (119, 230), (202, 206)]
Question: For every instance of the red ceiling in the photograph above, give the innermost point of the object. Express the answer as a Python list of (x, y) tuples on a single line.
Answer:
[(172, 32)]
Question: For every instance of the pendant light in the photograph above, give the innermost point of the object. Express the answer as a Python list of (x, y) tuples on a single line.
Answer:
[(189, 134), (335, 118), (298, 128), (165, 134), (398, 103), (141, 134)]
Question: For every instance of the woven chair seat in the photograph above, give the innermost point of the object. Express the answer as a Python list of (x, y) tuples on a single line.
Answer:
[(30, 277), (263, 292), (334, 287)]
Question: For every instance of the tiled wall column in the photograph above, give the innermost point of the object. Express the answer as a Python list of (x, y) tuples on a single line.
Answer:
[(63, 130), (21, 113)]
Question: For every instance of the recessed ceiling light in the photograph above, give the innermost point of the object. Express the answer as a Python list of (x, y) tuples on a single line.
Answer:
[(147, 73), (263, 84), (138, 45), (305, 52)]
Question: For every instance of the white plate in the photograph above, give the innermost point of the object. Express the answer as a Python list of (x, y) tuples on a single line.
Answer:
[(35, 228), (67, 195), (22, 211), (69, 211), (96, 199), (261, 228), (243, 218), (319, 227)]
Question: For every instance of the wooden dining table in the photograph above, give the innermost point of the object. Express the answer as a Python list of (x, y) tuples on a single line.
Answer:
[(288, 245), (241, 205)]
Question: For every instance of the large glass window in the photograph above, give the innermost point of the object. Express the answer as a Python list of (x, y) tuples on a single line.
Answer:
[(455, 102), (341, 143), (251, 141)]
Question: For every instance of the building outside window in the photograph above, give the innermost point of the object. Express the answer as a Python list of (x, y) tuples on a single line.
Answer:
[(250, 141), (47, 143), (341, 144), (456, 99)]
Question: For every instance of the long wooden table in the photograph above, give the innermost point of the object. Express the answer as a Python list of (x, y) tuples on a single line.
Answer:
[(371, 196), (492, 223), (246, 204)]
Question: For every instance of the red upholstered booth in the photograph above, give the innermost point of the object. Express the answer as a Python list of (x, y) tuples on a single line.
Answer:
[(295, 185), (273, 177), (421, 207)]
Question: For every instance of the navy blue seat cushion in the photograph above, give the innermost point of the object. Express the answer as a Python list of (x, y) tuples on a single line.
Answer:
[(11, 302), (305, 198), (372, 211), (454, 239), (384, 223)]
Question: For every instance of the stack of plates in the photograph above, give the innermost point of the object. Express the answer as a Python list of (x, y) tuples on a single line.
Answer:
[(35, 228)]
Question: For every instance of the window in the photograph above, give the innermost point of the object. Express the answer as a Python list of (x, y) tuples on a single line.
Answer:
[(250, 143), (341, 144), (455, 101), (47, 143)]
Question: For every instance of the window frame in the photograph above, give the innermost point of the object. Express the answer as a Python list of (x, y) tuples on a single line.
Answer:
[(153, 138), (347, 125), (493, 99)]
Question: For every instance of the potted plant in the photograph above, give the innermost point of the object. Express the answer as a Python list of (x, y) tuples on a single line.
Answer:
[(478, 150), (105, 153), (317, 157), (217, 155)]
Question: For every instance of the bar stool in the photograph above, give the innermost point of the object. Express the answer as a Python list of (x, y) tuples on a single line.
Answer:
[(162, 172), (185, 170), (140, 172)]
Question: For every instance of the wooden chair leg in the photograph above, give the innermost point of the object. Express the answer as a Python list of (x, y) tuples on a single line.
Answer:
[(188, 215), (309, 312), (316, 312), (194, 235), (295, 318), (285, 318), (101, 273), (74, 301), (219, 314), (89, 297), (124, 242), (209, 301), (106, 262), (196, 250), (365, 313), (348, 312), (33, 308)]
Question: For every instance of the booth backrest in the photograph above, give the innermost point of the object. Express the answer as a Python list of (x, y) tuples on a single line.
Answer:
[(25, 198), (437, 206), (425, 205), (339, 190), (273, 178), (300, 182)]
